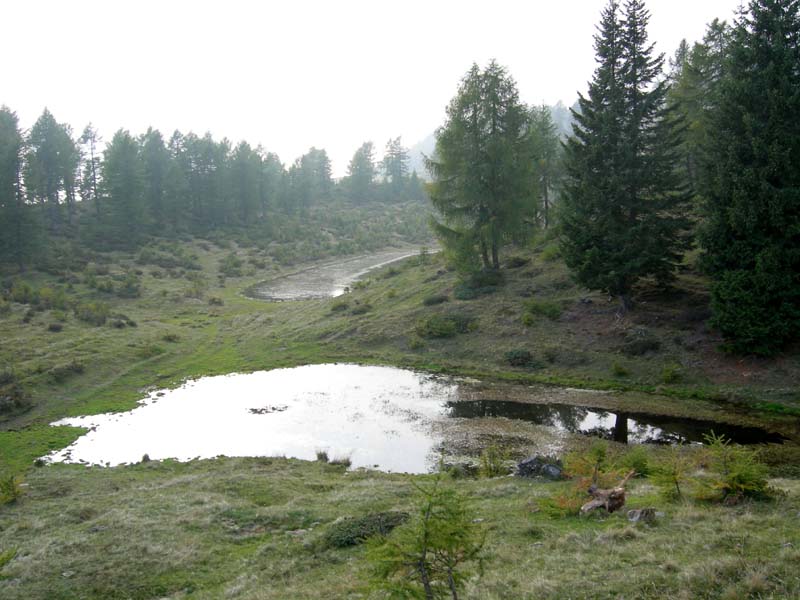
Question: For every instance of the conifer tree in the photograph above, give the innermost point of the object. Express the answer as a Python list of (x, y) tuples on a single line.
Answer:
[(621, 205), (483, 184), (751, 236)]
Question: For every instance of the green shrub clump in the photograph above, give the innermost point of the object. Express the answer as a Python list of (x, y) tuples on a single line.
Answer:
[(435, 299), (519, 358), (94, 313), (444, 326), (543, 308), (355, 530)]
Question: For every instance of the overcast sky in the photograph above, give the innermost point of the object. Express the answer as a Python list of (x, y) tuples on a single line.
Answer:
[(301, 73)]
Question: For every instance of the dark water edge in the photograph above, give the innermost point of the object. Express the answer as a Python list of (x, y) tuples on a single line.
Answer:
[(639, 428)]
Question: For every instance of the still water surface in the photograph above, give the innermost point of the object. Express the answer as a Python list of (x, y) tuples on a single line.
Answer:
[(380, 417)]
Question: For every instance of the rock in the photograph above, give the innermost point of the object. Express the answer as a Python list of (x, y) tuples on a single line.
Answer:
[(645, 515), (539, 466)]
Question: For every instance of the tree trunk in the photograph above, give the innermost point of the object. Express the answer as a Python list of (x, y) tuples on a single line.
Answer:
[(485, 255)]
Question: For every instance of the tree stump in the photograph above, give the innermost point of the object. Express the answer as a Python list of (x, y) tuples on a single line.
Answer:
[(611, 499)]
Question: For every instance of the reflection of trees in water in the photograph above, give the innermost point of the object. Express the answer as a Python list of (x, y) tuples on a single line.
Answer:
[(640, 428)]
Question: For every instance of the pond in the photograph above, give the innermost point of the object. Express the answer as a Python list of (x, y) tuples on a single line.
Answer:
[(328, 279), (379, 417)]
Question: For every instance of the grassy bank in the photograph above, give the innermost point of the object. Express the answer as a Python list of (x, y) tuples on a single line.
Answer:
[(257, 528)]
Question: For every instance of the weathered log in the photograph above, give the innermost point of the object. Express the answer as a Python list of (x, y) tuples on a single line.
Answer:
[(611, 499)]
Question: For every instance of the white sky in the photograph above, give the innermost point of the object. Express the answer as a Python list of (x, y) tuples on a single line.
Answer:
[(299, 73)]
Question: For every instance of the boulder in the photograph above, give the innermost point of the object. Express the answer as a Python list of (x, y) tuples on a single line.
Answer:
[(539, 466)]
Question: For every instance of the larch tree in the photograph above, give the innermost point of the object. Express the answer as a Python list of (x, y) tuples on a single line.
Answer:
[(751, 234), (483, 186), (621, 205)]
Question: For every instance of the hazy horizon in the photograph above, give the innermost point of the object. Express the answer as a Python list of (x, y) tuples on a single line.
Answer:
[(310, 73)]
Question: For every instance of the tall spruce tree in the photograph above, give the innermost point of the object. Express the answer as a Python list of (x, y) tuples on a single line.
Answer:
[(620, 210), (483, 186), (751, 236)]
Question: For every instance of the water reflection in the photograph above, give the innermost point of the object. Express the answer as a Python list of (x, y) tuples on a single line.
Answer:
[(620, 427)]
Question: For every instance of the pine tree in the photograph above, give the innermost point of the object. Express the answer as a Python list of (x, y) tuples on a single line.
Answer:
[(546, 150), (361, 172), (751, 236), (124, 187), (18, 223), (620, 208), (483, 182)]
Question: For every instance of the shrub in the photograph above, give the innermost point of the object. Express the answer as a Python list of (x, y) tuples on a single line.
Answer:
[(341, 461), (641, 346), (55, 327), (231, 265), (322, 456), (23, 292), (671, 374), (10, 489), (515, 262), (151, 350), (493, 462), (130, 287), (361, 308), (12, 395), (550, 253), (619, 370), (519, 358), (5, 307), (435, 299), (545, 308), (171, 337), (61, 373), (637, 459), (734, 471), (340, 306), (215, 301), (443, 326), (356, 530), (94, 313)]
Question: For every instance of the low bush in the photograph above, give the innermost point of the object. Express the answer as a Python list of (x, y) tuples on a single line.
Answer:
[(55, 327), (435, 299), (60, 373), (215, 301), (231, 265), (171, 338), (444, 326), (94, 313), (515, 262), (671, 373), (10, 489), (361, 308), (641, 346), (13, 397), (493, 462), (340, 306), (550, 252), (130, 286), (619, 370), (734, 471), (355, 530), (519, 358), (544, 308)]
